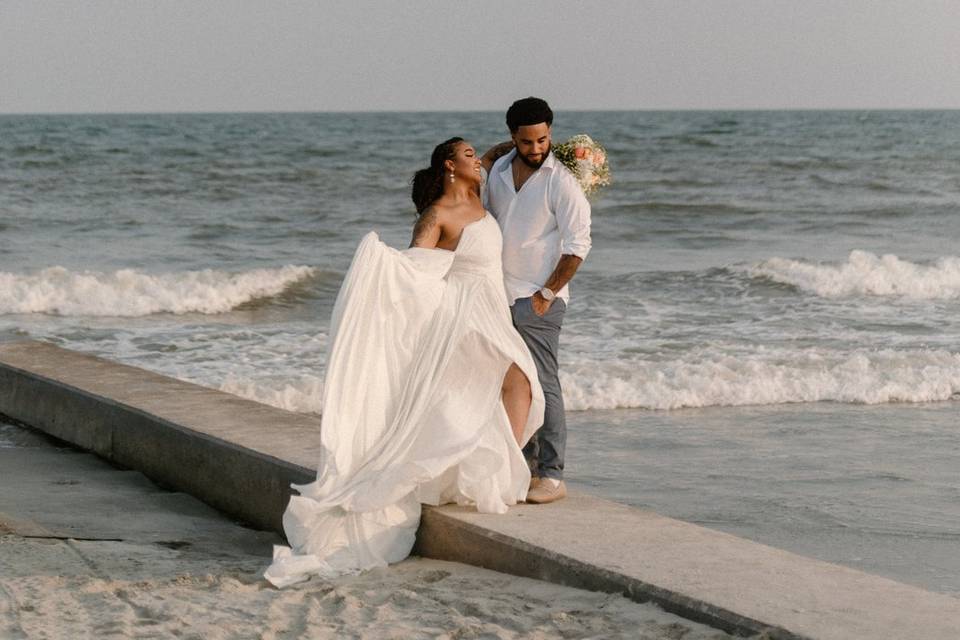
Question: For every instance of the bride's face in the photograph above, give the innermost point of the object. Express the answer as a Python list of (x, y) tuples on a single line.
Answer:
[(465, 163)]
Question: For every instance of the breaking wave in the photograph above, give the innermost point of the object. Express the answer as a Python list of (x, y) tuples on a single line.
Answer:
[(129, 293), (866, 274), (859, 377)]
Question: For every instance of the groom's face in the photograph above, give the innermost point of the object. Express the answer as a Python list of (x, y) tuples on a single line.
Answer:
[(533, 143)]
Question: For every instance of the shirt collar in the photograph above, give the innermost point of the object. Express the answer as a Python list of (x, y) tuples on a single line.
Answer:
[(508, 160), (550, 162)]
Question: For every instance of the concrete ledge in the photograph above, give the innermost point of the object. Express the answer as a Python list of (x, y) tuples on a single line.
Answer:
[(240, 457), (700, 574), (217, 447), (448, 533)]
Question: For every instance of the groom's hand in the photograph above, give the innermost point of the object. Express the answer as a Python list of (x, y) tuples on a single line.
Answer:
[(540, 304)]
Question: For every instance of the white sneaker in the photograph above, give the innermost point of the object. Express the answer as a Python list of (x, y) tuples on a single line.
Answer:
[(547, 490)]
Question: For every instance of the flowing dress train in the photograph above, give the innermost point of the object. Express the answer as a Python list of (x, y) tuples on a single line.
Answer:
[(420, 341)]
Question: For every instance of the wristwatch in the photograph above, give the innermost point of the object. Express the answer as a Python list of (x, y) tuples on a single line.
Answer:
[(547, 294)]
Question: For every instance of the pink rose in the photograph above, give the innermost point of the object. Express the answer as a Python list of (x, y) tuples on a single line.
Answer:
[(580, 153), (599, 158)]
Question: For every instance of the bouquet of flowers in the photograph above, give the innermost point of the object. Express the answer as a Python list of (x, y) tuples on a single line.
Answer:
[(587, 160)]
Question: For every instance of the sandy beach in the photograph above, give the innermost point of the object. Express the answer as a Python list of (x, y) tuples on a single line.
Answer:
[(91, 551)]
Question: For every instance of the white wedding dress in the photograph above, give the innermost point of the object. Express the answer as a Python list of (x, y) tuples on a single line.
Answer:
[(420, 342)]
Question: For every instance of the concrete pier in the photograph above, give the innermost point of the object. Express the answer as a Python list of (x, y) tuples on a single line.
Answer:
[(241, 456)]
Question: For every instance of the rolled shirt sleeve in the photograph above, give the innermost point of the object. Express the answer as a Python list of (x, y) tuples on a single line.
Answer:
[(572, 210)]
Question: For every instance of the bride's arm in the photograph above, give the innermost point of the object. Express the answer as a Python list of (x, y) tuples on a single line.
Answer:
[(426, 232)]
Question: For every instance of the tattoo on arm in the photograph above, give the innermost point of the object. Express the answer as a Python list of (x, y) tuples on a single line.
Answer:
[(566, 267), (426, 232)]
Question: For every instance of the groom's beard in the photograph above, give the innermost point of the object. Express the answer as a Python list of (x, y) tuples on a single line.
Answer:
[(535, 165)]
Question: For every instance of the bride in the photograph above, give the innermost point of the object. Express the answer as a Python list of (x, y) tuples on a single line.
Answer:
[(430, 393)]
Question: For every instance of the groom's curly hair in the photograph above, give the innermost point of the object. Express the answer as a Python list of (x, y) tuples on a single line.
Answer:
[(527, 111), (428, 183)]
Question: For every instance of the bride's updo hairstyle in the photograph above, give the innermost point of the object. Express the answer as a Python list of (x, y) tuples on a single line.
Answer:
[(428, 183)]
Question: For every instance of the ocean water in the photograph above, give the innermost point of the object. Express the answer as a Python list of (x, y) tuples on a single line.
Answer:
[(765, 338)]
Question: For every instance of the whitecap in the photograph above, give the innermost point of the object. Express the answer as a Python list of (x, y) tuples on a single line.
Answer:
[(710, 378), (866, 274), (130, 293)]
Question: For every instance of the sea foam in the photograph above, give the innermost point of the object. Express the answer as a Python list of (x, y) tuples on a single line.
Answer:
[(866, 274), (129, 293), (303, 394), (697, 380), (813, 375)]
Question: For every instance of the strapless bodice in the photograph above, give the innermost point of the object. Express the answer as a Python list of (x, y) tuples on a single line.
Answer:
[(480, 249)]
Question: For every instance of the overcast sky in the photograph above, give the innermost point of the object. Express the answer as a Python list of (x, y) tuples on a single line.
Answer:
[(277, 55)]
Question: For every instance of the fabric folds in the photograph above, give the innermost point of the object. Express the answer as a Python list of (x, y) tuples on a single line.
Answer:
[(420, 342)]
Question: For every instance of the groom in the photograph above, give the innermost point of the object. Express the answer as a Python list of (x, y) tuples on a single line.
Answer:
[(545, 219)]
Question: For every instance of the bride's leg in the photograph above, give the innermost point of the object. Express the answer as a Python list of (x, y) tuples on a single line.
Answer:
[(516, 399)]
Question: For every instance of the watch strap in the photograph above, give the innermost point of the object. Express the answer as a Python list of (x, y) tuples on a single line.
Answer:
[(547, 294)]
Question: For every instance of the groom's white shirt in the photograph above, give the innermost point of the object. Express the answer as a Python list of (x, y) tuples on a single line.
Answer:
[(547, 218)]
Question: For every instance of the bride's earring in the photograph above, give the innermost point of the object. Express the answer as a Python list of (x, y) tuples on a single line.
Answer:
[(451, 177)]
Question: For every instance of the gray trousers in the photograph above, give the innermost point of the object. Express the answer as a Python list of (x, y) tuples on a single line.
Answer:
[(544, 452)]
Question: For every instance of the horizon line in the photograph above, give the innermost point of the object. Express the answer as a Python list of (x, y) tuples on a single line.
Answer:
[(397, 111)]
